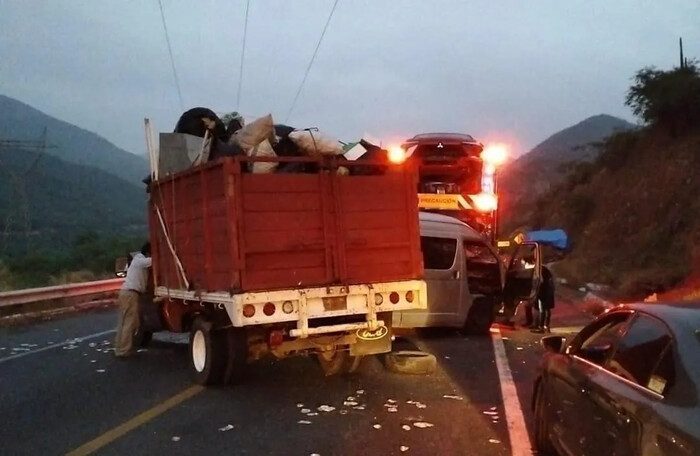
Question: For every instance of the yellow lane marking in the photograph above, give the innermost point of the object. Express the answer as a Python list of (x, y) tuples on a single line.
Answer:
[(128, 426)]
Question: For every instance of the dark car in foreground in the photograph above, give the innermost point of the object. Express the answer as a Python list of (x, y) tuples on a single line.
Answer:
[(627, 384)]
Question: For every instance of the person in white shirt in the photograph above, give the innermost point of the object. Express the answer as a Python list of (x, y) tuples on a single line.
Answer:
[(129, 313)]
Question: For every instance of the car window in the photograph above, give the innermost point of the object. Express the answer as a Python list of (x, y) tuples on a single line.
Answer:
[(664, 375), (596, 341), (483, 268), (640, 350), (438, 253), (524, 258)]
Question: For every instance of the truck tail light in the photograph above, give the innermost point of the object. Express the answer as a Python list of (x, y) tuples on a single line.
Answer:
[(485, 202), (409, 296), (378, 299), (276, 338), (269, 309), (248, 310), (394, 297), (287, 307)]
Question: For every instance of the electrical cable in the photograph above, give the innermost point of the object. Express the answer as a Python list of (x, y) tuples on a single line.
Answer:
[(170, 52)]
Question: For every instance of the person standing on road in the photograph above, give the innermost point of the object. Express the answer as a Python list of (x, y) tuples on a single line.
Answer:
[(129, 313), (545, 300)]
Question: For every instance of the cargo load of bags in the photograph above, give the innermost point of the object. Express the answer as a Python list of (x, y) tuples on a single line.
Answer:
[(201, 136)]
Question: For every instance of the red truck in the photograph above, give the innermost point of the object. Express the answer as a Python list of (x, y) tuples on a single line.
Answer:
[(284, 264)]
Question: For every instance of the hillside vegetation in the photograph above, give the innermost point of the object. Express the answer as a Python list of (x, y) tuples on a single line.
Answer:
[(634, 212)]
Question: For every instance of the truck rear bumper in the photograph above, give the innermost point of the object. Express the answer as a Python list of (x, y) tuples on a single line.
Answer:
[(302, 305)]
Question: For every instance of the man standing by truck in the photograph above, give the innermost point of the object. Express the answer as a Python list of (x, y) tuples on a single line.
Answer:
[(129, 313)]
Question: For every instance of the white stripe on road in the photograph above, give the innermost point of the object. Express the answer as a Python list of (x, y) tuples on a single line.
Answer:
[(519, 438), (49, 347)]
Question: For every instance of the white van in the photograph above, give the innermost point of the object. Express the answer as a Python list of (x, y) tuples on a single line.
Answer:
[(467, 281)]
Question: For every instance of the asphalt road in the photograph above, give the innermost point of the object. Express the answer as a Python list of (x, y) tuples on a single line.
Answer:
[(62, 391)]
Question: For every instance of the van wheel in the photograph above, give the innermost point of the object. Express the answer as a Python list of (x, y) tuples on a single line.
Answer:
[(480, 317), (207, 353), (236, 355), (337, 362)]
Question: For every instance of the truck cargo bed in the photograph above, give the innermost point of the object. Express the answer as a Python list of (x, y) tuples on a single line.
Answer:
[(239, 232)]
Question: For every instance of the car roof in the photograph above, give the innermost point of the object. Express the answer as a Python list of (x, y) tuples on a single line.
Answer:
[(447, 137), (677, 315), (449, 223)]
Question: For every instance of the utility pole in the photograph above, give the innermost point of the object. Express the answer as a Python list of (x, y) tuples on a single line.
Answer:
[(19, 181), (680, 43)]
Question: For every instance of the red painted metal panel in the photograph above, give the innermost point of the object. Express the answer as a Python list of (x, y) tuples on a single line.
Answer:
[(236, 231)]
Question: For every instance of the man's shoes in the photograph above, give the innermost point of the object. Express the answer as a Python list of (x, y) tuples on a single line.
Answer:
[(537, 330)]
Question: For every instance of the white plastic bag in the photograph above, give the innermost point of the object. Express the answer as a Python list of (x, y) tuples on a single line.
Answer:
[(264, 149), (314, 143), (255, 133)]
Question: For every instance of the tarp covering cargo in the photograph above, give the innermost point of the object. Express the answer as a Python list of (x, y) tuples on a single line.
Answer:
[(556, 238)]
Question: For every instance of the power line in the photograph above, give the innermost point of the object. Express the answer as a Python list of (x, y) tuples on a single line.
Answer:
[(170, 52), (313, 57), (240, 73)]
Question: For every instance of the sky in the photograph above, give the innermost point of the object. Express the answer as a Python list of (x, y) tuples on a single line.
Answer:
[(505, 71)]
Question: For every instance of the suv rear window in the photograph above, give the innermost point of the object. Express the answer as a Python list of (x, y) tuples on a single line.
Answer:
[(438, 253)]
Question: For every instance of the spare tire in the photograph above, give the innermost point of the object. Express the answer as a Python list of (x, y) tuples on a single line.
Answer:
[(411, 362)]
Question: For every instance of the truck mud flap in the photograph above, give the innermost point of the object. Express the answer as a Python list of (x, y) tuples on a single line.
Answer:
[(373, 342)]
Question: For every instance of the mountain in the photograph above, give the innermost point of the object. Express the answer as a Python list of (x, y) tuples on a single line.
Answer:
[(62, 201), (19, 121), (524, 180)]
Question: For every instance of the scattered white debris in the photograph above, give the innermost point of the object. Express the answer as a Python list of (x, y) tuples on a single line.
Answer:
[(325, 408), (351, 398), (140, 350), (69, 347), (360, 392), (350, 403), (101, 370), (392, 410), (305, 411), (452, 396), (377, 426), (312, 414), (420, 405), (519, 348), (410, 402), (314, 454), (93, 360), (303, 422), (3, 348), (489, 412), (359, 407), (92, 344), (505, 338), (447, 357), (343, 412), (423, 425), (300, 405), (228, 427), (406, 427), (391, 401), (494, 441), (175, 438), (21, 349), (404, 448), (494, 408)]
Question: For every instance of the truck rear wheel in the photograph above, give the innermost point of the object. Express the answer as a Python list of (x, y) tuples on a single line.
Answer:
[(236, 355), (207, 353), (338, 362)]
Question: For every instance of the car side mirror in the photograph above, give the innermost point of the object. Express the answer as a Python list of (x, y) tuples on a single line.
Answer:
[(120, 265), (553, 344)]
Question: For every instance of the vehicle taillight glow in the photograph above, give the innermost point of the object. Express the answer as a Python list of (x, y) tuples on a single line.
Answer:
[(485, 202), (287, 307), (409, 296), (269, 309), (378, 299), (248, 310), (495, 154), (394, 297), (396, 155)]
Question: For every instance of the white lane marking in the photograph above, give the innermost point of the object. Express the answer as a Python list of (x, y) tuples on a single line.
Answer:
[(519, 437), (49, 347)]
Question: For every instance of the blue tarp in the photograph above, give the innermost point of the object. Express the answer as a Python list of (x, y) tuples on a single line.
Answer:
[(556, 238)]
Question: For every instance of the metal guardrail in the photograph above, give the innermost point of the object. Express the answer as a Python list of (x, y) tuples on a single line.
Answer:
[(16, 297)]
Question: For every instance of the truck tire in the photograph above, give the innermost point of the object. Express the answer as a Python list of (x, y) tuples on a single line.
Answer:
[(207, 353), (338, 362), (480, 317), (236, 355), (411, 362)]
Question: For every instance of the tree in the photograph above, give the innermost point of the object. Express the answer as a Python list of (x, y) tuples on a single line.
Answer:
[(668, 99)]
